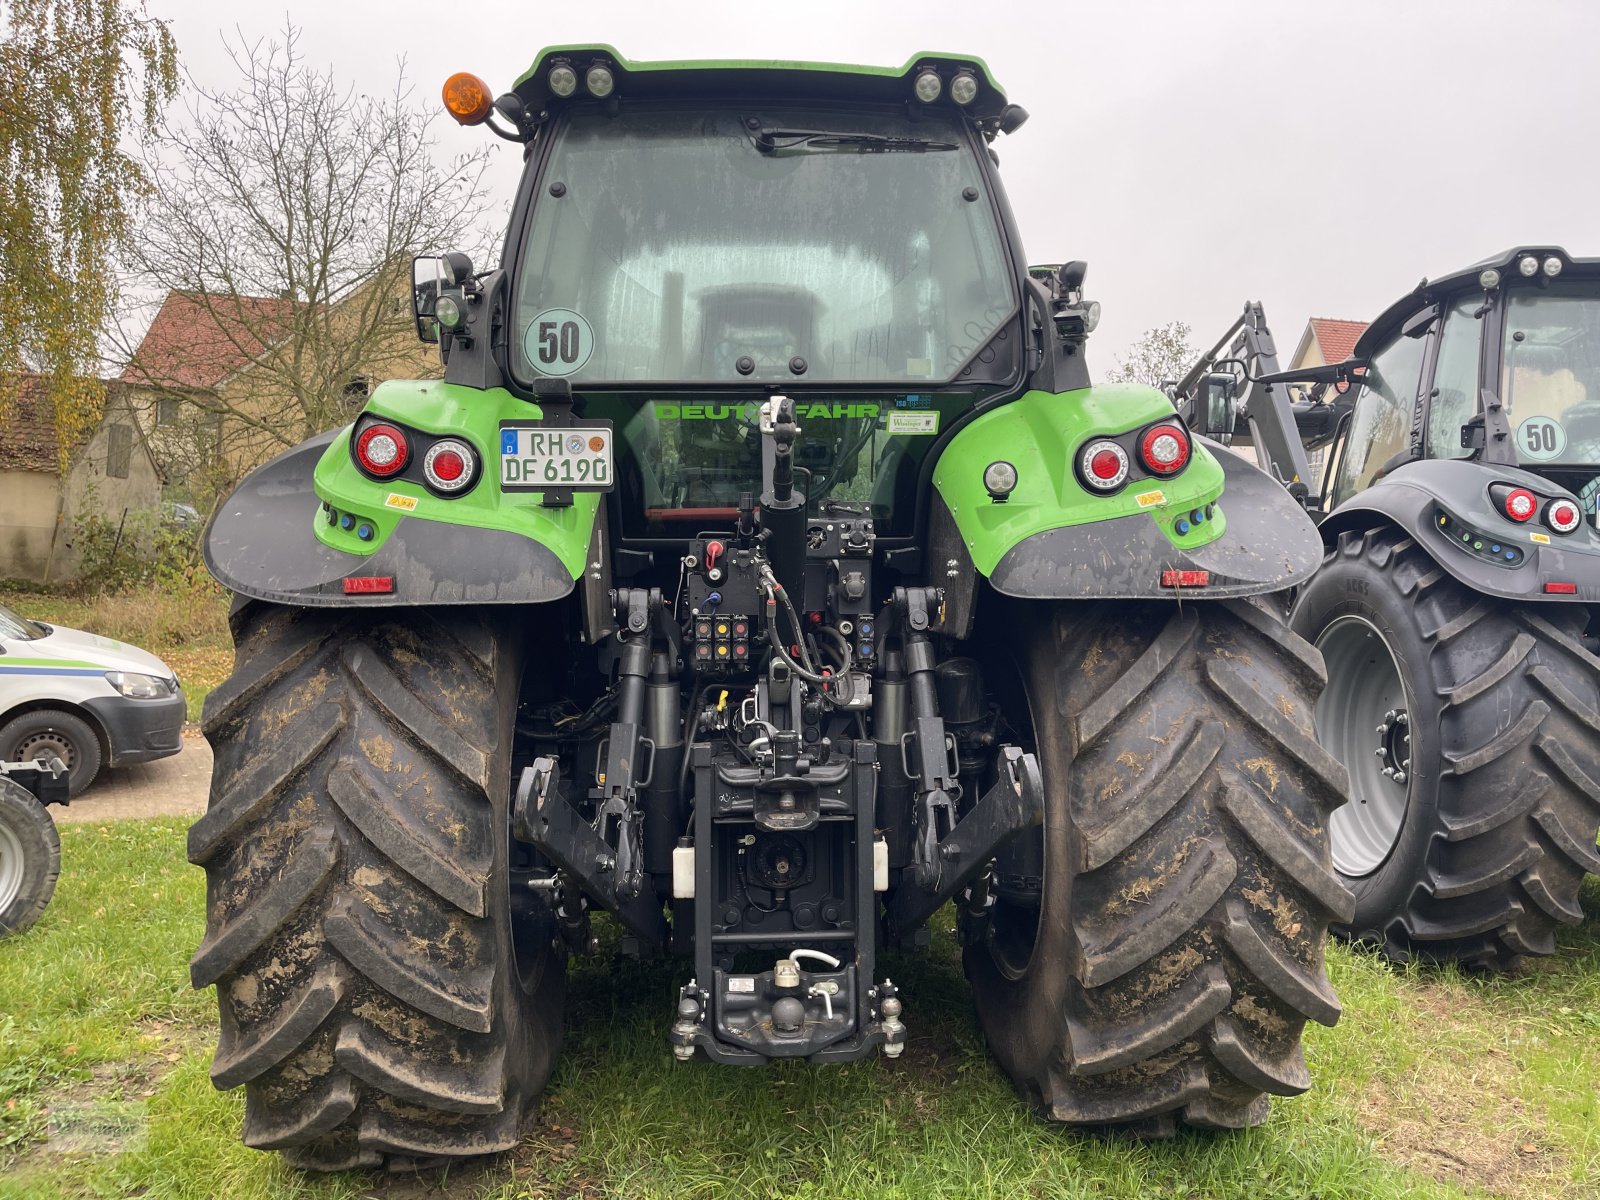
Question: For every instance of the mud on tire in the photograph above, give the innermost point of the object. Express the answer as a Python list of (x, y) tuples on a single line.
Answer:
[(1177, 951), (1503, 802), (373, 1000)]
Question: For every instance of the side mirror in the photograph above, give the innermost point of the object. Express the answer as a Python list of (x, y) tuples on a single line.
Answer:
[(1218, 407), (427, 280)]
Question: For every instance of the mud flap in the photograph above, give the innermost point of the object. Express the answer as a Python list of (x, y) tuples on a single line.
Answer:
[(1270, 544), (260, 544)]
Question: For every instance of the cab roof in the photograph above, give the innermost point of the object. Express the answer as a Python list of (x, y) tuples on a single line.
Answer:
[(1432, 291), (744, 77)]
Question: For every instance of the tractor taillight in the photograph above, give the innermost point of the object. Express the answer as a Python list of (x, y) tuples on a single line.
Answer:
[(1563, 516), (450, 466), (1521, 504), (1104, 465), (382, 450), (1164, 448)]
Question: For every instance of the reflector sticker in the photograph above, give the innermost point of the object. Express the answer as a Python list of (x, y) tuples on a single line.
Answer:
[(1541, 438), (1542, 538), (914, 423), (1149, 499), (558, 342), (396, 500)]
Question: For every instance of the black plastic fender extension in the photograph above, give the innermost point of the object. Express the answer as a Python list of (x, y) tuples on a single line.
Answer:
[(260, 544), (1270, 544), (1413, 496)]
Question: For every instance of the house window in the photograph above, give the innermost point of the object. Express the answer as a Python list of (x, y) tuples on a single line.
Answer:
[(119, 450), (166, 410)]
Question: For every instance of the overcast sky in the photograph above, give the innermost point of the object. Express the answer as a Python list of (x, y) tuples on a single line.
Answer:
[(1320, 157)]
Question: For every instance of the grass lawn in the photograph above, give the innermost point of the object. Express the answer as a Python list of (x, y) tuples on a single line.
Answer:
[(188, 631), (1433, 1084)]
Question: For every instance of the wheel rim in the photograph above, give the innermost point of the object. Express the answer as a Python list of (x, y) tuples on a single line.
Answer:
[(1363, 718), (47, 743), (10, 867)]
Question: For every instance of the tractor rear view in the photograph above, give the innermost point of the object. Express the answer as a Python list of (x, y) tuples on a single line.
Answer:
[(1456, 603), (766, 573)]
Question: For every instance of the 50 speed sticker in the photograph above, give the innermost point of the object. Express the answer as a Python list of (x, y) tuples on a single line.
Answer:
[(558, 342)]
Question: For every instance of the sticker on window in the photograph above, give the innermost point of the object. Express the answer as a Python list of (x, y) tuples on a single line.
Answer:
[(1541, 438), (914, 422), (558, 342)]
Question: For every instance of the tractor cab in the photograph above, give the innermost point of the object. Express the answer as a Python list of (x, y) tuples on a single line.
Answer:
[(1498, 364)]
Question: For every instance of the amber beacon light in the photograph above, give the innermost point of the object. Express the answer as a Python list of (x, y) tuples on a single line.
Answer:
[(466, 98)]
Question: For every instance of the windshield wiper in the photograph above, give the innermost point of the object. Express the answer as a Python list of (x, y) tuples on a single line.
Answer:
[(778, 141)]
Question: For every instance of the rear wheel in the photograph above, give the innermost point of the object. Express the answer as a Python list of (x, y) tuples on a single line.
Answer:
[(376, 1001), (30, 858), (1471, 727), (1165, 964)]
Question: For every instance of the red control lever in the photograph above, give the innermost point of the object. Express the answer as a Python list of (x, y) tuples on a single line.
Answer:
[(713, 552)]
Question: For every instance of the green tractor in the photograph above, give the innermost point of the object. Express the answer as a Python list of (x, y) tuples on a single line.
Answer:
[(1456, 606), (766, 573)]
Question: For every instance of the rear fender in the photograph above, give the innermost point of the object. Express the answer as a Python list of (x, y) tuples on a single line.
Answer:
[(1415, 496), (281, 536), (1053, 539)]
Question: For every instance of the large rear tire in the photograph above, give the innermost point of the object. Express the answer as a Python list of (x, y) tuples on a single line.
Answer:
[(1176, 950), (30, 858), (1478, 852), (376, 1001)]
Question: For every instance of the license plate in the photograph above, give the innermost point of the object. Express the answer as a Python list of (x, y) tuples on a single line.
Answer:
[(537, 458)]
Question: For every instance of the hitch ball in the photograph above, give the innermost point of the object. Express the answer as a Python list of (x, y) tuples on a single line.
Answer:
[(788, 1015)]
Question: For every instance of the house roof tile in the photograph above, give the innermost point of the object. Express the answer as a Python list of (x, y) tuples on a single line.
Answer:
[(28, 434)]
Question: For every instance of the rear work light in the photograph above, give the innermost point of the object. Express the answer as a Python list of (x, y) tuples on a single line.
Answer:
[(1164, 448), (381, 450), (1104, 465), (1521, 504), (1563, 516), (450, 466)]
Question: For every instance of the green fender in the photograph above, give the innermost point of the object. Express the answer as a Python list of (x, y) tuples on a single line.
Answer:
[(283, 534), (1052, 538)]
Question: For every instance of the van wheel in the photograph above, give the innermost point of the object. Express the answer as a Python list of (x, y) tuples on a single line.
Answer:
[(45, 732)]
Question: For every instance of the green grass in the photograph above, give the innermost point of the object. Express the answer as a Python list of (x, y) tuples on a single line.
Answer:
[(186, 629), (1433, 1085)]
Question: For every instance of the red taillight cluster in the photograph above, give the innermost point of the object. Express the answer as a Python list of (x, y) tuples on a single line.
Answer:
[(1105, 465), (1563, 516), (1164, 449), (1522, 505), (382, 450), (450, 466)]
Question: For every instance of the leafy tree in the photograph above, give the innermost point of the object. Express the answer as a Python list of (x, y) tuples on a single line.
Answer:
[(287, 208), (1162, 355), (77, 78)]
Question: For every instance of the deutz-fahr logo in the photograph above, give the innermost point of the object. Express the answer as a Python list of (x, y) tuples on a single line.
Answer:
[(751, 412)]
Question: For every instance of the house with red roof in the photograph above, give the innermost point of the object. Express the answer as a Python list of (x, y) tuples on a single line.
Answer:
[(1326, 340), (224, 382), (47, 488)]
